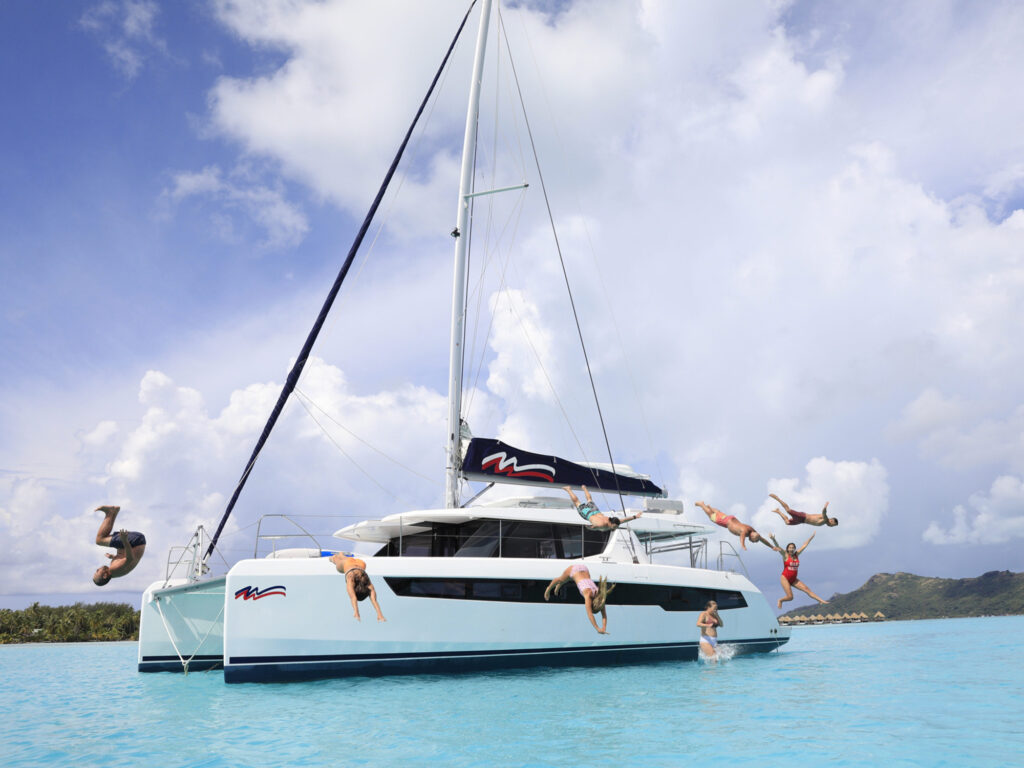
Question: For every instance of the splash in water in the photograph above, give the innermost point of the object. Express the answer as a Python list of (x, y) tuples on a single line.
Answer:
[(724, 652)]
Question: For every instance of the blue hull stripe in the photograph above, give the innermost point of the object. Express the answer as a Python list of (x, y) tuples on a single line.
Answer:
[(245, 669)]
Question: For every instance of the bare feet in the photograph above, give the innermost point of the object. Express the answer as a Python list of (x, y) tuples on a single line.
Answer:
[(108, 509), (779, 604)]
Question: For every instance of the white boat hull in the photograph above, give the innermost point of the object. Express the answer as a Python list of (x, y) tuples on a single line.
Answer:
[(292, 619)]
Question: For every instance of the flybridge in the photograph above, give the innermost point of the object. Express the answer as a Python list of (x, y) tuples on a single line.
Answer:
[(493, 461)]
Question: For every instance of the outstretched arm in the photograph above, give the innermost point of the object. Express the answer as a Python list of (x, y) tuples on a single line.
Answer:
[(776, 546), (824, 512), (590, 615), (631, 517), (352, 596), (805, 545), (376, 607)]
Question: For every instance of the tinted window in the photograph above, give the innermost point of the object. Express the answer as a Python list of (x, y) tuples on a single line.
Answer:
[(483, 543), (669, 598), (479, 538)]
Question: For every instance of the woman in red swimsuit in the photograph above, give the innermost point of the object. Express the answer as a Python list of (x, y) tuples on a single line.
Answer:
[(790, 564)]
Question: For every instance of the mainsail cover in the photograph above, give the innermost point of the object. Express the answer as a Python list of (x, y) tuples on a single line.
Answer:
[(493, 461)]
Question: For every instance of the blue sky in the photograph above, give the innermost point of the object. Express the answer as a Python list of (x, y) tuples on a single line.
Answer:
[(795, 231)]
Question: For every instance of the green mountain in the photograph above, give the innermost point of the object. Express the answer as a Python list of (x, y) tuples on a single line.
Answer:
[(906, 596)]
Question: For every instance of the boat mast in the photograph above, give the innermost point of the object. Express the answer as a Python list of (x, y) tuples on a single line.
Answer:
[(456, 353)]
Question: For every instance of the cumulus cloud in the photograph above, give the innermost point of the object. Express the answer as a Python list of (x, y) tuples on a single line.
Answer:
[(857, 493), (989, 518), (126, 30)]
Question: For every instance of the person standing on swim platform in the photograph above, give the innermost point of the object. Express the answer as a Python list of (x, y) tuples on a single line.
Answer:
[(588, 511), (130, 546), (357, 583)]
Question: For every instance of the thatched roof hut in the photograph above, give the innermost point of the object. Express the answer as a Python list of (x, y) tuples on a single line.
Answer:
[(879, 616)]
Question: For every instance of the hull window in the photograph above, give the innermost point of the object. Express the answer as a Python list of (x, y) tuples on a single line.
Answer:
[(669, 598)]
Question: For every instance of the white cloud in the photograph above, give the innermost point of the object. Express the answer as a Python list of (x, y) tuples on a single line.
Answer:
[(995, 517), (958, 435), (126, 29), (857, 493), (239, 198)]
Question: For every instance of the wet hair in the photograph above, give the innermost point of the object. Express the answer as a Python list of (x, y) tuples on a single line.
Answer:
[(360, 584), (833, 521), (615, 521), (709, 604), (791, 544), (100, 579), (603, 590)]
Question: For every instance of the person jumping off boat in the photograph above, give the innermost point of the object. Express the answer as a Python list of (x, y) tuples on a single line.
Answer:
[(357, 583), (790, 564), (595, 596), (796, 518), (130, 546), (734, 526), (588, 511), (709, 621)]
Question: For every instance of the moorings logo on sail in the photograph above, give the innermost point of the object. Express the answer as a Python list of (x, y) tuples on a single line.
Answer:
[(255, 593), (502, 464)]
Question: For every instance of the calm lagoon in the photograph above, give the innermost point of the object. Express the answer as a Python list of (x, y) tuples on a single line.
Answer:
[(921, 693)]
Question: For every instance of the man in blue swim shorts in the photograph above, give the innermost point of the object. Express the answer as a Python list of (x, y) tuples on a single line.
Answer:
[(589, 512), (130, 546)]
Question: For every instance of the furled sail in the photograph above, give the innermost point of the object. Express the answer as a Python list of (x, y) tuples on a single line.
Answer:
[(493, 461)]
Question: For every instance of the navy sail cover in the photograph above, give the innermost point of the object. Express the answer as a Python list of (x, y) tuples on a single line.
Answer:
[(493, 461)]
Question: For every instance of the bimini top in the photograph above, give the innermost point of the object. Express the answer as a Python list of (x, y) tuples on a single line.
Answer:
[(493, 461)]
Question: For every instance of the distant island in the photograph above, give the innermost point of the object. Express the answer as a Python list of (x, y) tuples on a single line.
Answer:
[(906, 596), (69, 623)]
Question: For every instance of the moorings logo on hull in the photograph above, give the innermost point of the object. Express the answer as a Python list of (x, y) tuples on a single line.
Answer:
[(255, 593)]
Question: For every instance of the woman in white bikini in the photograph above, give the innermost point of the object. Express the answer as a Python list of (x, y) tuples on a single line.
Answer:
[(709, 621), (595, 596)]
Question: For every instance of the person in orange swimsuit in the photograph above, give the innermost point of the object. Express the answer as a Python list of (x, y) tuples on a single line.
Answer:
[(595, 596), (731, 524), (130, 546), (796, 518), (790, 564), (357, 582)]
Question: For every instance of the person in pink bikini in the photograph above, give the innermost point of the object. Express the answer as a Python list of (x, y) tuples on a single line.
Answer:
[(731, 524), (595, 596)]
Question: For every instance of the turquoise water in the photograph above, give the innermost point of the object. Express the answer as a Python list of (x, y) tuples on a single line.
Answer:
[(921, 693)]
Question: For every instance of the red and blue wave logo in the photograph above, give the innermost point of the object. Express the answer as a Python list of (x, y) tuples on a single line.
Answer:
[(503, 464), (255, 593)]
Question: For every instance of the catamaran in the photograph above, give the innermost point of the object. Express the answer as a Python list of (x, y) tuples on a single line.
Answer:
[(463, 586)]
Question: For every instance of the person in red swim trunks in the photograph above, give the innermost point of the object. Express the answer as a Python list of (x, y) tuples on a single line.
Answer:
[(734, 526), (796, 518), (790, 564)]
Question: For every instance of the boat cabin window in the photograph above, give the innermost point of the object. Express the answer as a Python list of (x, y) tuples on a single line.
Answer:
[(500, 538)]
